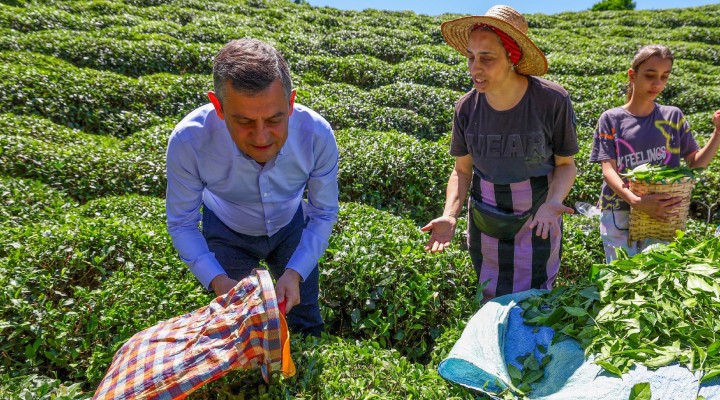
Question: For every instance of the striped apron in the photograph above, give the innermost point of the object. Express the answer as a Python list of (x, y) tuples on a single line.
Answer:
[(523, 262)]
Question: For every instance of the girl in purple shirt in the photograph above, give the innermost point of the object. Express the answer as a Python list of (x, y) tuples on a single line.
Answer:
[(640, 132)]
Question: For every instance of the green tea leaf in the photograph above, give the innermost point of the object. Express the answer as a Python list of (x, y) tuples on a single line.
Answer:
[(698, 284), (533, 376), (575, 311), (640, 391), (710, 375), (609, 367), (660, 361), (514, 373)]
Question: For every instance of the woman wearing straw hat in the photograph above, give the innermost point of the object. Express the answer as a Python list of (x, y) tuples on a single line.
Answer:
[(641, 132), (513, 140)]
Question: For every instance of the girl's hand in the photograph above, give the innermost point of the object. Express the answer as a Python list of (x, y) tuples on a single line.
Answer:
[(660, 206)]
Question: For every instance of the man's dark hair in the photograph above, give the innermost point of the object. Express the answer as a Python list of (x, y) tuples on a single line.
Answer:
[(251, 66)]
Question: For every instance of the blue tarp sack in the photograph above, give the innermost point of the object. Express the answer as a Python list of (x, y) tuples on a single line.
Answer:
[(496, 335)]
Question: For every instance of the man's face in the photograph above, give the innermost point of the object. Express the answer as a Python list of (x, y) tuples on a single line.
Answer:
[(258, 123)]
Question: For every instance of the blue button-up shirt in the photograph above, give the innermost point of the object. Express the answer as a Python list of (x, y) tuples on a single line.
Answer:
[(205, 166)]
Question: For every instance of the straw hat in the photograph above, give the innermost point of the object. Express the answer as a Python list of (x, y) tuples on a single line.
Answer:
[(457, 31)]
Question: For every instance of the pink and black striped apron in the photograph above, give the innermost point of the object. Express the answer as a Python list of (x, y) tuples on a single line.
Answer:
[(523, 262)]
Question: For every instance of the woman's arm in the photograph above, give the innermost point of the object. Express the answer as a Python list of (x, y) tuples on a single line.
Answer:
[(458, 186), (563, 179), (443, 228)]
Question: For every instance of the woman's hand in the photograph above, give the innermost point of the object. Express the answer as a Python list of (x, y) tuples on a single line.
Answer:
[(443, 229), (546, 218)]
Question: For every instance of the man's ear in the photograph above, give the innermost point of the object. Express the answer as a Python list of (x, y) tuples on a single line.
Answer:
[(292, 101), (216, 103)]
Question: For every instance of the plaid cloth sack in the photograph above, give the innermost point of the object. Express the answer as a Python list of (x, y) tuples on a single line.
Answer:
[(242, 329)]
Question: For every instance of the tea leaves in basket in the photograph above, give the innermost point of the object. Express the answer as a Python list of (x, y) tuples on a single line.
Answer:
[(661, 173)]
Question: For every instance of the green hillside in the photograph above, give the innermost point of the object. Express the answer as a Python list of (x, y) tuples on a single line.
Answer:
[(90, 91)]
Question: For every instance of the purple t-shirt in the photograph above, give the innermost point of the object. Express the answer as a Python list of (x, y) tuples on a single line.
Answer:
[(517, 144), (662, 137)]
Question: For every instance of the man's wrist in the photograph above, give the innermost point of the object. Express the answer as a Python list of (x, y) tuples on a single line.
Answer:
[(217, 280), (293, 274)]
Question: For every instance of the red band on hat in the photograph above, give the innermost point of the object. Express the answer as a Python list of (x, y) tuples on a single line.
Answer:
[(509, 43)]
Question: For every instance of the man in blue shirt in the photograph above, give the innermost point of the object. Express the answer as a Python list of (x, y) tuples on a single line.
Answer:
[(247, 158)]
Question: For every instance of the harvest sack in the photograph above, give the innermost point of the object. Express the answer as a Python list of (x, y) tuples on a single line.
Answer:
[(499, 211), (496, 336), (242, 329), (497, 222)]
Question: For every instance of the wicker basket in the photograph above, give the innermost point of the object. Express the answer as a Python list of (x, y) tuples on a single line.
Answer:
[(643, 226)]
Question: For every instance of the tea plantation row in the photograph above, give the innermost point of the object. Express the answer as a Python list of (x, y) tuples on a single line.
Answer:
[(88, 277)]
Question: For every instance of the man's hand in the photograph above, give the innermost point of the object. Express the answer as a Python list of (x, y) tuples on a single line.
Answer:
[(443, 230), (222, 284), (288, 289), (546, 218)]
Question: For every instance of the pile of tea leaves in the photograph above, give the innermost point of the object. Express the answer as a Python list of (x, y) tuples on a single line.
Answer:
[(654, 173), (659, 307)]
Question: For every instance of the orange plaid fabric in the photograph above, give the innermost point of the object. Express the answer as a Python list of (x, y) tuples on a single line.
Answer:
[(242, 329)]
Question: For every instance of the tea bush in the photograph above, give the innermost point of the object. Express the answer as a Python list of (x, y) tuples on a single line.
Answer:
[(433, 103), (701, 125), (581, 248), (65, 277), (589, 175), (358, 70), (416, 110), (439, 52), (343, 105), (433, 73), (40, 387), (379, 283), (94, 101), (389, 49), (78, 98), (83, 172), (323, 373), (393, 172), (151, 142), (25, 200), (42, 129), (145, 54), (42, 17), (590, 65)]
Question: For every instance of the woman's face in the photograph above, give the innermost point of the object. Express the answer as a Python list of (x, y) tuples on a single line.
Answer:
[(650, 78), (488, 61)]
